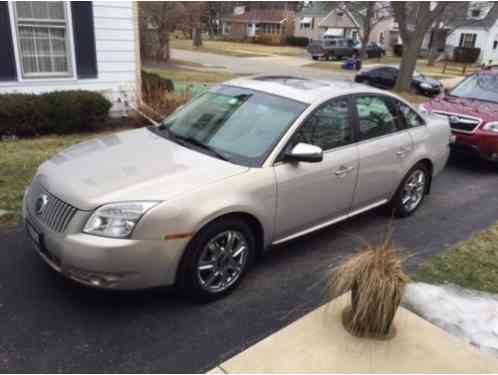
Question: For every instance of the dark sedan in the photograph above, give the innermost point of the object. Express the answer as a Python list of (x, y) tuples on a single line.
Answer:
[(385, 77)]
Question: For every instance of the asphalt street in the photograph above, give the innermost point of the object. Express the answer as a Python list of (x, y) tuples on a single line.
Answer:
[(49, 324)]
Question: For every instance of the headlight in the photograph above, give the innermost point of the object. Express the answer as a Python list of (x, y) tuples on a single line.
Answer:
[(491, 127), (425, 85), (117, 219), (423, 109)]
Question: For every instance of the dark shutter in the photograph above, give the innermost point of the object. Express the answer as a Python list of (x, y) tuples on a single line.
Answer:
[(7, 58), (84, 39)]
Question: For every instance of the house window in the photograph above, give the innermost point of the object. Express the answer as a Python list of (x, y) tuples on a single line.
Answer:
[(468, 40), (42, 36), (476, 13), (305, 23), (495, 44)]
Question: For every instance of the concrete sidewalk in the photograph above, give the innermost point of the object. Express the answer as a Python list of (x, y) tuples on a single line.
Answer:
[(318, 343)]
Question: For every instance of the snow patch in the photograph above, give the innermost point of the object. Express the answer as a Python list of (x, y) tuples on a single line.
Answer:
[(465, 313)]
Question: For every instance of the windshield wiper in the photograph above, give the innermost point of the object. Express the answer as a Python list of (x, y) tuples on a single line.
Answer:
[(199, 144)]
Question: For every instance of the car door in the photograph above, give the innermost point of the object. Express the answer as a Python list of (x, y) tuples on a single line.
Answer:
[(383, 149), (376, 76), (390, 77), (310, 194)]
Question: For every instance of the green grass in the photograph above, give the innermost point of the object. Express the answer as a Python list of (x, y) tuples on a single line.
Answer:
[(471, 264), (237, 49), (18, 163)]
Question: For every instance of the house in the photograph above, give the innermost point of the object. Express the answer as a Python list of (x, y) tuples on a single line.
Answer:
[(386, 33), (308, 19), (479, 29), (78, 45), (317, 21), (268, 25)]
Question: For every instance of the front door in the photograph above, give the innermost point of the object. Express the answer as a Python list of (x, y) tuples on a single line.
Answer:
[(310, 194), (383, 150)]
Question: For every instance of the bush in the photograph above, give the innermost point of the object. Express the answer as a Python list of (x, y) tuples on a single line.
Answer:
[(298, 41), (466, 55), (398, 50), (152, 83), (57, 112)]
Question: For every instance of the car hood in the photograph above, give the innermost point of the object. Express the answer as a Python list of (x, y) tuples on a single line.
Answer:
[(132, 165), (470, 107)]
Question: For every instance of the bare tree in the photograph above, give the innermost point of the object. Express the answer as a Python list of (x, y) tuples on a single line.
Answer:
[(368, 14), (414, 20), (156, 20)]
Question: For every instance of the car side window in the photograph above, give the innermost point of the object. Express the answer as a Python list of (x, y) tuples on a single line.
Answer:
[(412, 118), (375, 116), (328, 127)]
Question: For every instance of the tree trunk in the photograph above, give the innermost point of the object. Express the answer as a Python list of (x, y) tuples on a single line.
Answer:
[(408, 62), (367, 23), (164, 53), (433, 54), (364, 42), (196, 36)]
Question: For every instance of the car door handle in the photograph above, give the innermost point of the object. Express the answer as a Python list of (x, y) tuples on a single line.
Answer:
[(403, 151), (343, 170)]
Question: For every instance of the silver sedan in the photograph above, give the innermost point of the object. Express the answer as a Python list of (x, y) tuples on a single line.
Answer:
[(251, 163)]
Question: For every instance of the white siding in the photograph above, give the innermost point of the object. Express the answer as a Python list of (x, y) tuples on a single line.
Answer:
[(484, 41), (116, 48)]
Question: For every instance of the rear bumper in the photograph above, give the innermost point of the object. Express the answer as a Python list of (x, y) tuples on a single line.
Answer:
[(106, 262), (481, 144)]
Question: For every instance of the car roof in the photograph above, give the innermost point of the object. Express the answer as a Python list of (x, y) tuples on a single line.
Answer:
[(302, 89)]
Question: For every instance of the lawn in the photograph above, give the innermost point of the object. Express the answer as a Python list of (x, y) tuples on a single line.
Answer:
[(193, 75), (237, 49), (471, 264), (19, 160)]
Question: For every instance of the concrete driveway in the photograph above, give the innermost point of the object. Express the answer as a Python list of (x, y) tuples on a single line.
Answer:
[(272, 65)]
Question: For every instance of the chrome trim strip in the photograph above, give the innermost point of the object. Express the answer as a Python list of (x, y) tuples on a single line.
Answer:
[(330, 222)]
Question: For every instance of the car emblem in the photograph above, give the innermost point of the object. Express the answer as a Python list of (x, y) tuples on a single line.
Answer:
[(41, 203)]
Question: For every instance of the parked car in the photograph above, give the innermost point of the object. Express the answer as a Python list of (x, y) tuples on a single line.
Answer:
[(195, 200), (385, 77), (472, 110), (331, 49)]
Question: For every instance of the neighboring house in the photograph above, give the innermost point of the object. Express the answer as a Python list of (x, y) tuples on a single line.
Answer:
[(480, 29), (340, 23), (259, 24), (307, 21), (386, 33), (48, 46)]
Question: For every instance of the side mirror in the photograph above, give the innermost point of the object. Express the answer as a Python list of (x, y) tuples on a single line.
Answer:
[(304, 152)]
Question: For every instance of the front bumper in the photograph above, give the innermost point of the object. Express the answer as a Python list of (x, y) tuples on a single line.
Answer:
[(105, 262), (481, 144)]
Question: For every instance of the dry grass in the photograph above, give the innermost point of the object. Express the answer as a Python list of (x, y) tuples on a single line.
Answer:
[(237, 49), (376, 280), (162, 103), (471, 264), (193, 76)]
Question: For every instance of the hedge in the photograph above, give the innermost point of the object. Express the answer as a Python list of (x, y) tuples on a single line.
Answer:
[(298, 41), (466, 55), (57, 112)]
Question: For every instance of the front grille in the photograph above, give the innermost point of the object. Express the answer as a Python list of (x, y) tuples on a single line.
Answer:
[(460, 123), (56, 214)]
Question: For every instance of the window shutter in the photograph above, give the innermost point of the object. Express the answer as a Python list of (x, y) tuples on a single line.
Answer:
[(7, 58), (84, 39)]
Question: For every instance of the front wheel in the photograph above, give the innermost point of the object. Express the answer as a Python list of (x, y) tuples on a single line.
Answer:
[(217, 259), (411, 191)]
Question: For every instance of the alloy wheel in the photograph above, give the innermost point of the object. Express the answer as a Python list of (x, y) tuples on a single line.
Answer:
[(222, 261), (413, 191)]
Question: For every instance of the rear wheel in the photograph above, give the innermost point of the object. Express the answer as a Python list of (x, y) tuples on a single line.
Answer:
[(411, 191), (217, 259)]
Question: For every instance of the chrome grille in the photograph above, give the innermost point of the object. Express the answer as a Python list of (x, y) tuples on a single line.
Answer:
[(56, 215), (458, 123)]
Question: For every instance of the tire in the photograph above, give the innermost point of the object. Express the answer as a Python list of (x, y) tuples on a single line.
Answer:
[(314, 57), (201, 285), (398, 203)]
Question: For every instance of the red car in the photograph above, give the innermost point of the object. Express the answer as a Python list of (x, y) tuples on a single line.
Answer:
[(472, 110)]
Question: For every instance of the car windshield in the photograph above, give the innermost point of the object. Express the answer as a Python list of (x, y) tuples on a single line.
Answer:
[(480, 86), (232, 123)]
